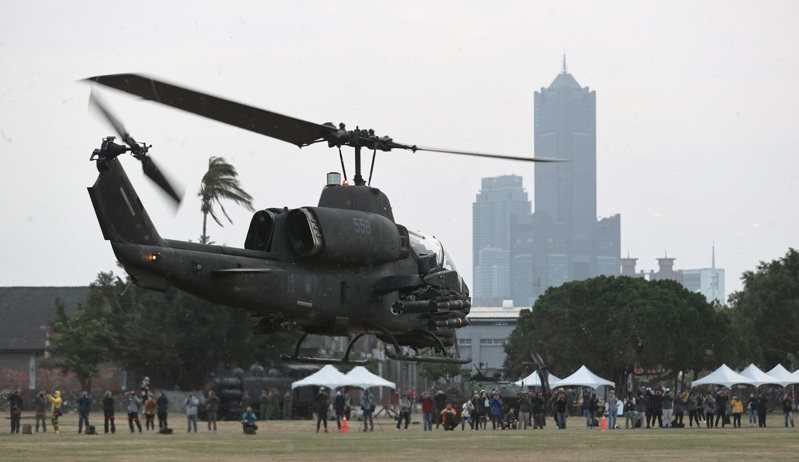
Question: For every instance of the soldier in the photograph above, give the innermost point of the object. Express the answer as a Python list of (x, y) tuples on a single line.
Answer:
[(274, 404), (263, 402), (287, 406)]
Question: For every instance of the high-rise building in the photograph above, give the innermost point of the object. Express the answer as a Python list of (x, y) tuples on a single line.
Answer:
[(518, 255), (499, 204), (569, 243)]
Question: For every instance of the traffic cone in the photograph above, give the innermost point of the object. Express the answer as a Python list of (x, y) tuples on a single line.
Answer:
[(345, 426), (604, 424)]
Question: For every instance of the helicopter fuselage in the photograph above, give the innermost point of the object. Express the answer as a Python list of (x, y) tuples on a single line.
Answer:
[(339, 268)]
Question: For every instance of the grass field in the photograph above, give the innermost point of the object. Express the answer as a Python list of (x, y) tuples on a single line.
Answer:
[(298, 441)]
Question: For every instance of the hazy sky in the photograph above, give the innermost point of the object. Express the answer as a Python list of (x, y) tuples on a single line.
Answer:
[(697, 115)]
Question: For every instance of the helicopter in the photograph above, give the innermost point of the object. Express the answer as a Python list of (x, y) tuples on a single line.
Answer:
[(342, 268)]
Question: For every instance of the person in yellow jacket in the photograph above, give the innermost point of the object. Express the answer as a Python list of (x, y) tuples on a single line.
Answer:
[(55, 410), (737, 408)]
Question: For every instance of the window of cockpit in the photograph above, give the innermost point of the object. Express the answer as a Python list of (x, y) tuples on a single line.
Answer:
[(423, 244)]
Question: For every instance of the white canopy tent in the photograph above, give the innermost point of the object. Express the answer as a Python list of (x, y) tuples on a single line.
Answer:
[(533, 380), (583, 377), (722, 376), (328, 376), (758, 377), (360, 377), (784, 377)]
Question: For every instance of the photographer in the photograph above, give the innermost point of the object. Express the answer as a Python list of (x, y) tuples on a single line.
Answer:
[(108, 412), (15, 409), (40, 407)]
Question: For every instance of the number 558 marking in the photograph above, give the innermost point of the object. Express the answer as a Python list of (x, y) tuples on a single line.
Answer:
[(362, 226)]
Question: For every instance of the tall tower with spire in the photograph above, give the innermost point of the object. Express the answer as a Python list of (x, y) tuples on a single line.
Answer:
[(570, 244)]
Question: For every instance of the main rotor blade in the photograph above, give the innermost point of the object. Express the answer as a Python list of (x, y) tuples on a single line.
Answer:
[(96, 102), (480, 154), (272, 124), (154, 173)]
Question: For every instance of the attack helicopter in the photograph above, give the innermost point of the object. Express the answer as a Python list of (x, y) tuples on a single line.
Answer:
[(342, 268)]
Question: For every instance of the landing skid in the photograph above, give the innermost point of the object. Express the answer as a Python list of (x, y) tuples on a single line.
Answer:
[(443, 359), (296, 358)]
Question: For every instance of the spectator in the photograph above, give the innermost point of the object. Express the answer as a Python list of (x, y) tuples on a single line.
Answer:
[(629, 412), (693, 413), (737, 409), (368, 408), (40, 407), (709, 405), (721, 408), (762, 409), (134, 408), (751, 408), (679, 408), (55, 411), (612, 404), (15, 409), (510, 421), (162, 408), (84, 408), (211, 409), (657, 408), (439, 403), (321, 404), (485, 408), (404, 411), (525, 409), (560, 410), (787, 409), (248, 421), (339, 407), (149, 412), (427, 411), (537, 408), (467, 414), (668, 409), (192, 406), (496, 411), (108, 412), (449, 417)]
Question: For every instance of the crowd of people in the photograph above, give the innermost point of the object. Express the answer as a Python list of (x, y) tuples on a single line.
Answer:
[(651, 408)]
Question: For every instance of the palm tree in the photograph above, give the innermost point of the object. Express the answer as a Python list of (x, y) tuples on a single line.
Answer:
[(220, 182)]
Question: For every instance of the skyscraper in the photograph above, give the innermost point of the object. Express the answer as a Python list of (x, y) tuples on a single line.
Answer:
[(569, 243), (499, 204), (517, 254)]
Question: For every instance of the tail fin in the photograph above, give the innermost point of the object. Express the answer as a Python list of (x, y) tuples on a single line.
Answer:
[(120, 212)]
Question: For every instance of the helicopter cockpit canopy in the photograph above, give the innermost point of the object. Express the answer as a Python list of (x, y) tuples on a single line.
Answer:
[(425, 244)]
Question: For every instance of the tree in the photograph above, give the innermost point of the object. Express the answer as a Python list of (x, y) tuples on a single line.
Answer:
[(766, 310), (176, 338), (81, 342), (612, 324), (219, 183)]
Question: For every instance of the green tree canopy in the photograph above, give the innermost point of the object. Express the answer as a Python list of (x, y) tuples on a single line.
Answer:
[(766, 310), (173, 337), (612, 324), (81, 342)]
